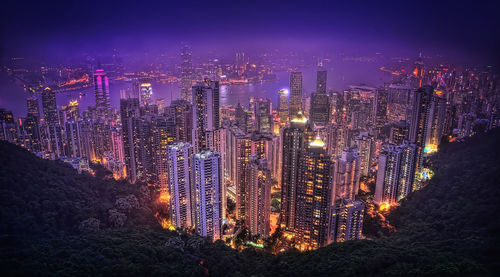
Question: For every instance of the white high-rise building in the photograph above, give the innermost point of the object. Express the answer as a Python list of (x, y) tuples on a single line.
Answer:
[(207, 185), (179, 183), (396, 172), (347, 174)]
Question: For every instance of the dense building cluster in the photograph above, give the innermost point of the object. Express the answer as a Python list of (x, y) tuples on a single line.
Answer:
[(315, 149)]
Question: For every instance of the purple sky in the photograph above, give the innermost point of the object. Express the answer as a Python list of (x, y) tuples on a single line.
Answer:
[(464, 29)]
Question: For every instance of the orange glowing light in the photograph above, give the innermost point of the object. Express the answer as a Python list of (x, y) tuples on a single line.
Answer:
[(164, 197), (385, 206)]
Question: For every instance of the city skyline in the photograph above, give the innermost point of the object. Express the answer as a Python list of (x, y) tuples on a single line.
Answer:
[(274, 127)]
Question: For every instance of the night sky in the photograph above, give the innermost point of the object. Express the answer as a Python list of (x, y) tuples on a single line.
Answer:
[(464, 29)]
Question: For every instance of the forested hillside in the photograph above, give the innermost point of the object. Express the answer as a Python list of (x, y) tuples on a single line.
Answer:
[(56, 222)]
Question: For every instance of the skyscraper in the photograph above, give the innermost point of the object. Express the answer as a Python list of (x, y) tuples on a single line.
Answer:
[(239, 151), (207, 185), (380, 108), (399, 132), (179, 182), (186, 74), (182, 112), (258, 201), (73, 141), (163, 134), (49, 107), (321, 81), (283, 106), (263, 117), (146, 94), (421, 104), (313, 196), (295, 139), (33, 107), (101, 89), (32, 123), (320, 109), (346, 222), (365, 144), (295, 93), (129, 112), (241, 117), (347, 174), (206, 117), (396, 173)]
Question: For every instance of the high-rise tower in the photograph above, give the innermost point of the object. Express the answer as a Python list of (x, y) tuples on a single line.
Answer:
[(186, 73), (179, 181), (283, 107), (206, 117), (313, 196), (207, 185), (101, 89), (419, 131), (295, 93), (49, 107), (295, 139), (321, 81), (258, 200)]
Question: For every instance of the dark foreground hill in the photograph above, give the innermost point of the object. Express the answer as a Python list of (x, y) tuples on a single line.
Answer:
[(56, 222)]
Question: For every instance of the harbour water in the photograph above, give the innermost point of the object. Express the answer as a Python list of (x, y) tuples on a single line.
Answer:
[(13, 96)]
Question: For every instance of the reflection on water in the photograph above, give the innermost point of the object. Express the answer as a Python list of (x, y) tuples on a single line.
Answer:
[(13, 96)]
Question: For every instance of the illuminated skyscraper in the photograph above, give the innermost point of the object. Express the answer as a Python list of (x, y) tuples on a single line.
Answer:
[(163, 130), (313, 196), (186, 74), (32, 123), (321, 81), (71, 111), (129, 112), (238, 151), (295, 139), (396, 172), (207, 185), (146, 94), (346, 222), (419, 131), (347, 174), (181, 110), (101, 89), (33, 107), (435, 123), (263, 117), (49, 107), (283, 106), (380, 108), (399, 132), (258, 200), (320, 109), (73, 142), (337, 140), (241, 117), (366, 146), (295, 93), (179, 183), (206, 117)]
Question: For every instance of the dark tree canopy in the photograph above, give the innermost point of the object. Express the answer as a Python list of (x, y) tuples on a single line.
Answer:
[(54, 221)]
